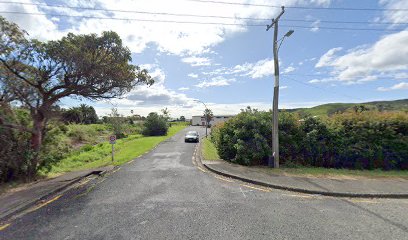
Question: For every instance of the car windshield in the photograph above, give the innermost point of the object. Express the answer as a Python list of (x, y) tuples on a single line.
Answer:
[(192, 133)]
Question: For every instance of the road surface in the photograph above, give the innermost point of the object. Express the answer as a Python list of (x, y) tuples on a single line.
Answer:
[(163, 195)]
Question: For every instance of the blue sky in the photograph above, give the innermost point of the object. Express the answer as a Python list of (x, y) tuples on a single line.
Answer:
[(230, 66)]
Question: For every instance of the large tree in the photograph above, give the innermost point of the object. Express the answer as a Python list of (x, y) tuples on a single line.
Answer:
[(36, 75)]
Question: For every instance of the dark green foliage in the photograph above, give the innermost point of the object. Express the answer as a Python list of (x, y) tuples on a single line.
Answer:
[(55, 145), (244, 139), (155, 125), (37, 75), (83, 114), (355, 139), (15, 152)]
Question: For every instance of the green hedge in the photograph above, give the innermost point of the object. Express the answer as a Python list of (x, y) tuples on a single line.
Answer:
[(355, 140)]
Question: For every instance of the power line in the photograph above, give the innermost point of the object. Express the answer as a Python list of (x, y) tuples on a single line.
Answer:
[(345, 22), (196, 15), (299, 7), (319, 75), (324, 89), (135, 19), (201, 23)]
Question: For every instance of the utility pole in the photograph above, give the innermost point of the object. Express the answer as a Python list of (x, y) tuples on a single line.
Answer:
[(274, 159)]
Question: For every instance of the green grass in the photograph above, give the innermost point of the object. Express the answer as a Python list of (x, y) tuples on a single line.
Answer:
[(325, 109), (87, 134), (100, 155), (209, 151), (336, 173)]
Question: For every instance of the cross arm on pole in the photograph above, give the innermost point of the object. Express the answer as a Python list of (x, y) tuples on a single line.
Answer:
[(274, 20)]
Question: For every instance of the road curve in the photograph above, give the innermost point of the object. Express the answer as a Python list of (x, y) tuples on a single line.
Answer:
[(163, 195)]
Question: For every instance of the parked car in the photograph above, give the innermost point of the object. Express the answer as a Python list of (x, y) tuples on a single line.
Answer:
[(192, 136)]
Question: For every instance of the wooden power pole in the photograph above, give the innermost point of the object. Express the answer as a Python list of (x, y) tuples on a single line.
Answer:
[(274, 159)]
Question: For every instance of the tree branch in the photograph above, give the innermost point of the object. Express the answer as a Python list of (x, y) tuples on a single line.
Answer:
[(16, 73), (14, 126)]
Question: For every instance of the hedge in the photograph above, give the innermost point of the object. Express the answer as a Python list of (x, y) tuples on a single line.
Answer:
[(354, 140)]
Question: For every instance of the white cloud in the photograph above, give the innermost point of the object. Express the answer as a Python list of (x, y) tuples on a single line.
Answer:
[(193, 75), (170, 37), (283, 87), (401, 75), (389, 55), (327, 57), (399, 86), (289, 69), (262, 69), (259, 69), (315, 81), (155, 95), (183, 89), (315, 26), (197, 61), (216, 82), (31, 23), (395, 16)]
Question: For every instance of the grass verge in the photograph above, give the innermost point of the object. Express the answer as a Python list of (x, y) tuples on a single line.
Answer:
[(209, 151), (100, 155), (338, 173)]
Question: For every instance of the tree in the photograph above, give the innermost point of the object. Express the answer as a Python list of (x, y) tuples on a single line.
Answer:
[(72, 115), (118, 123), (36, 75), (166, 113), (89, 115), (155, 125), (182, 118), (83, 114), (208, 115)]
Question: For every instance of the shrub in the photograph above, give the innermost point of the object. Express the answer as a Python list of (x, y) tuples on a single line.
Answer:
[(243, 139), (155, 125), (355, 139), (117, 123), (15, 154)]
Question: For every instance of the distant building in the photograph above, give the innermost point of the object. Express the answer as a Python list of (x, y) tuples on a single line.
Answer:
[(200, 120)]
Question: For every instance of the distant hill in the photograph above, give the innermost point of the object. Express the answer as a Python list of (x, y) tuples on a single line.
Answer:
[(331, 108)]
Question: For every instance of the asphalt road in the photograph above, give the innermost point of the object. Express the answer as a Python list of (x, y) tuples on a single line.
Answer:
[(163, 195)]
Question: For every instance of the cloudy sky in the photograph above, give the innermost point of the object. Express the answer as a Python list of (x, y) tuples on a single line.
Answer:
[(220, 52)]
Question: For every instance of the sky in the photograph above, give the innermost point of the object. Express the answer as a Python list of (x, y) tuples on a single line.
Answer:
[(220, 53)]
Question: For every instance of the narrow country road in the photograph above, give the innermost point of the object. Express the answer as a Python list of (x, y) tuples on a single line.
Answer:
[(163, 195)]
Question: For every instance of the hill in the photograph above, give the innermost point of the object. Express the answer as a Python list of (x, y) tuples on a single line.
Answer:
[(330, 108)]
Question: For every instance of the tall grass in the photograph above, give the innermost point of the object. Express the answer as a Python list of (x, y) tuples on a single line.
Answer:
[(100, 155)]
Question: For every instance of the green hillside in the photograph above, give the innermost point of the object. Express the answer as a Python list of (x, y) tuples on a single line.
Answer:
[(330, 108)]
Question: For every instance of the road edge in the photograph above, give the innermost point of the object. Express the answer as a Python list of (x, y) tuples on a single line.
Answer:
[(20, 209), (199, 157)]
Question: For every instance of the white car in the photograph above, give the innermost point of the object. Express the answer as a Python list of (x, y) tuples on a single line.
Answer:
[(192, 136)]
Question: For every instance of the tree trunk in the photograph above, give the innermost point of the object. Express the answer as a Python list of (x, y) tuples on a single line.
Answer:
[(36, 142)]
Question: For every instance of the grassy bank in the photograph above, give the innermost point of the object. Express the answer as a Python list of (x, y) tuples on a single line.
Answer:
[(100, 155), (208, 150), (210, 153)]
